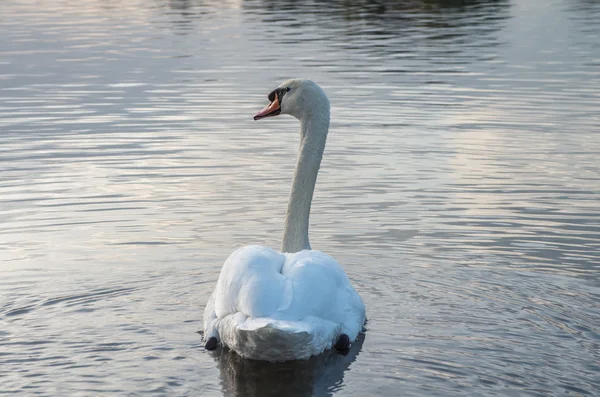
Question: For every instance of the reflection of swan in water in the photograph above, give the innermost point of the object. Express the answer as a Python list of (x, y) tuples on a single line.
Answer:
[(317, 376)]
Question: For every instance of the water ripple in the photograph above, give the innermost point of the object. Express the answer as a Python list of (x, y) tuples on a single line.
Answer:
[(459, 190)]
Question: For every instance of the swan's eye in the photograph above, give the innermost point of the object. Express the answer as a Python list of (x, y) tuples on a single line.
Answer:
[(287, 89)]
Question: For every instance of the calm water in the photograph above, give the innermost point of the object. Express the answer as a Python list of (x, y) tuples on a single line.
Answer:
[(460, 190)]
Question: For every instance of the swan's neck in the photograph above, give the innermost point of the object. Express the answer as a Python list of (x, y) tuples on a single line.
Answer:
[(313, 135)]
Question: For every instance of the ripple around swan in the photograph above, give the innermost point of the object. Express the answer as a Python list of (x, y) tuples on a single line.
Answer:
[(459, 189)]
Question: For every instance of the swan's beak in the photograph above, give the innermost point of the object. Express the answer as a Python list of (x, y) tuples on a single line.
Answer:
[(273, 109)]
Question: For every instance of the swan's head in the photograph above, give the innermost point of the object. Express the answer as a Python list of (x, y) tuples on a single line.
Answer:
[(297, 97)]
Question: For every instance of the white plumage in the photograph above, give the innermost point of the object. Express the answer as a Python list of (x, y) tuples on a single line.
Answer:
[(276, 307), (282, 306)]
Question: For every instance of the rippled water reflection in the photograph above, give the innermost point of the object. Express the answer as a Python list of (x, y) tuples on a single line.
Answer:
[(459, 189)]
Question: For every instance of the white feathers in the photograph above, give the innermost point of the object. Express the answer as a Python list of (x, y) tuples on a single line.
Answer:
[(273, 306)]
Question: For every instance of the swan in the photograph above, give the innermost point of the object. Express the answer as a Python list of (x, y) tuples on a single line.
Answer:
[(298, 303)]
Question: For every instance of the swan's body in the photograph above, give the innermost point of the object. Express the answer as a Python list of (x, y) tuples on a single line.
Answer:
[(292, 305), (275, 307)]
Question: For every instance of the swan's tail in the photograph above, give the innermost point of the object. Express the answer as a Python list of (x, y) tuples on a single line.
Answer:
[(277, 340)]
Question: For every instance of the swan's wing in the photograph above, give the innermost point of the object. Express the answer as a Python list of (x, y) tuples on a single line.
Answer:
[(251, 283), (354, 314), (322, 289), (210, 318)]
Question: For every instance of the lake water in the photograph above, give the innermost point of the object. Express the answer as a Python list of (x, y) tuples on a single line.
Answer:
[(460, 190)]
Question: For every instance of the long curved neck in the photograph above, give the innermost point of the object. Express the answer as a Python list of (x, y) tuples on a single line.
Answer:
[(313, 135)]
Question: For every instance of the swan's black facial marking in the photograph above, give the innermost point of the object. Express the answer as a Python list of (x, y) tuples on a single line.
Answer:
[(274, 107), (279, 92)]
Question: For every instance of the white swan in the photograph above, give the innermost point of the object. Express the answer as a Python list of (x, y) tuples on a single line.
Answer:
[(292, 305)]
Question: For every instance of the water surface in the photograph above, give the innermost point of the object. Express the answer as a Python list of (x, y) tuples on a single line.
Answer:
[(459, 190)]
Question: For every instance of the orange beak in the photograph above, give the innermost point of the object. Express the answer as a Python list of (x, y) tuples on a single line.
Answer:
[(273, 109)]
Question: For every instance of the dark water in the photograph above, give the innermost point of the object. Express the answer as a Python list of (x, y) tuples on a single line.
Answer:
[(460, 190)]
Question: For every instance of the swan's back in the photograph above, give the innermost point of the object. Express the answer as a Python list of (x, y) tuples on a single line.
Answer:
[(273, 306)]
